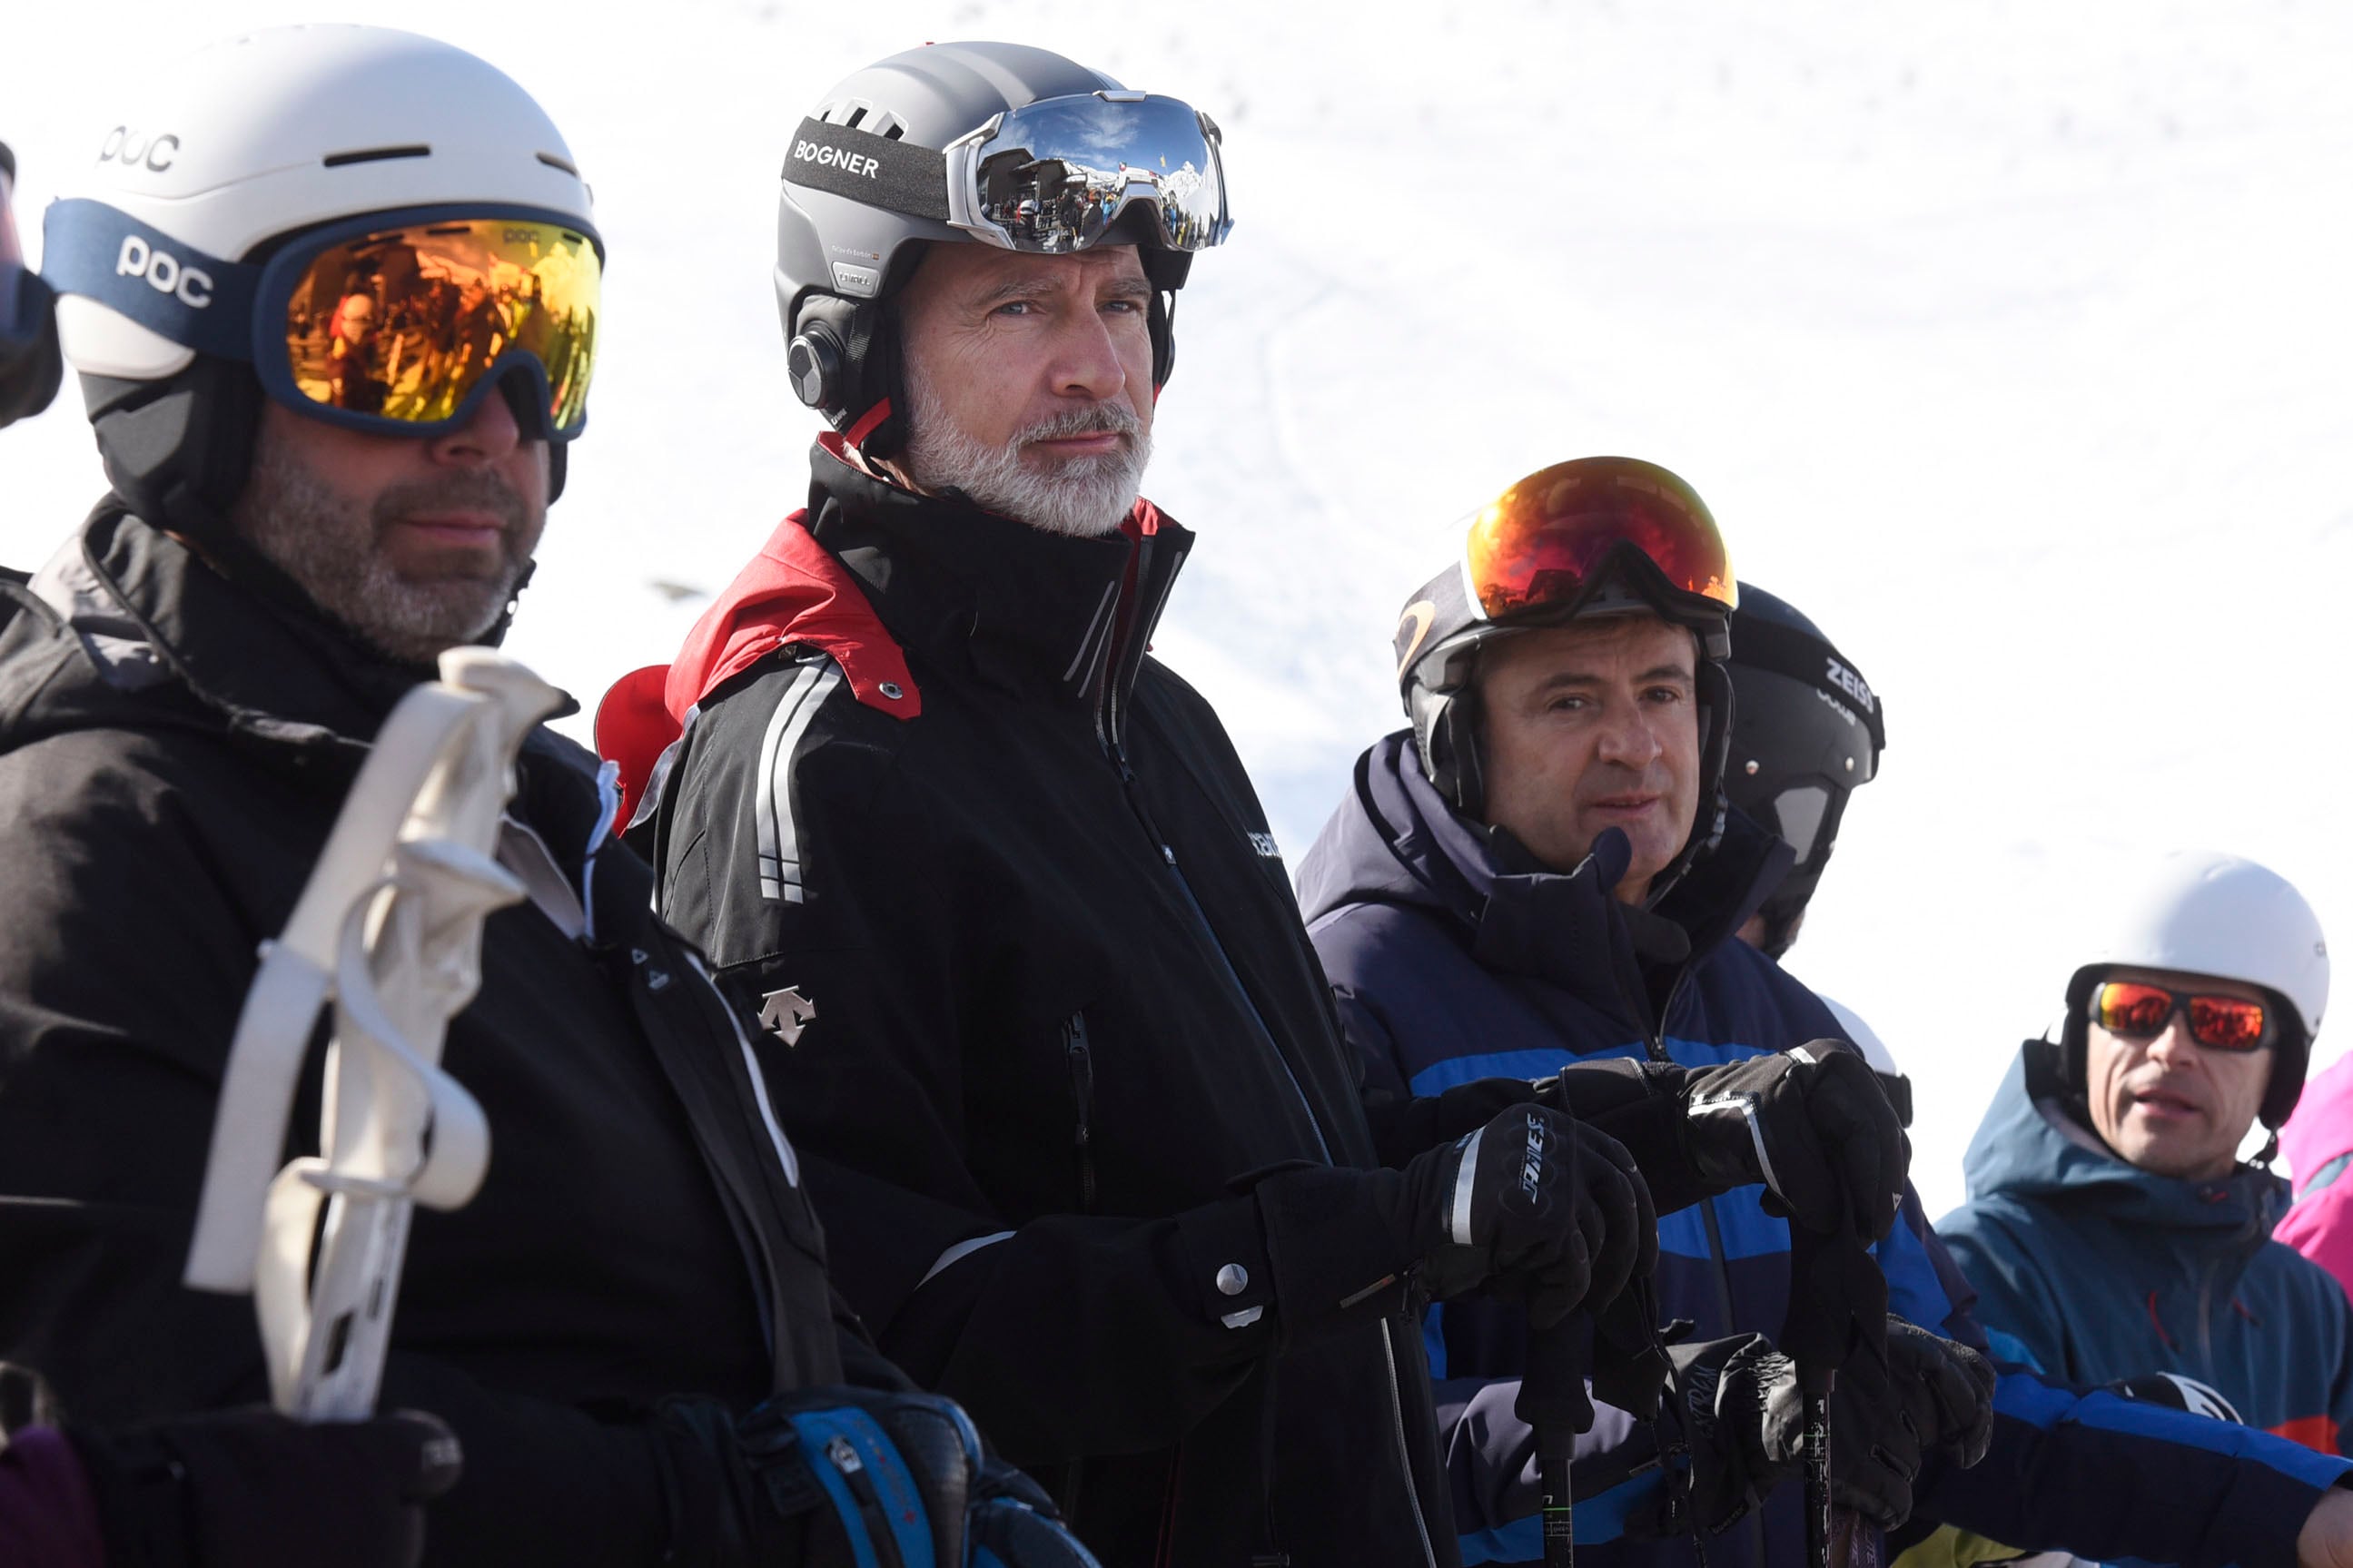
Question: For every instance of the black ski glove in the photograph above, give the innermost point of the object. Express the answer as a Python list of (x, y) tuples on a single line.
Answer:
[(1537, 1208), (1810, 1124), (249, 1486), (828, 1477), (1531, 1204), (1403, 1128), (1746, 1419)]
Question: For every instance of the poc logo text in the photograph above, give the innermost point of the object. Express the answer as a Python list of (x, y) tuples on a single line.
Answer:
[(191, 285), (138, 149)]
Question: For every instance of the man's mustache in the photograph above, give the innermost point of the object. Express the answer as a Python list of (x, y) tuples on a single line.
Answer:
[(1117, 418), (479, 490)]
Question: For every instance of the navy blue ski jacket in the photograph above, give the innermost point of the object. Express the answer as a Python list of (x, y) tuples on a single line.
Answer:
[(1451, 960)]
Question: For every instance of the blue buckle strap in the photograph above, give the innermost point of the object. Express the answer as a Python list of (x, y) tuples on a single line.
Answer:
[(104, 254), (868, 1484)]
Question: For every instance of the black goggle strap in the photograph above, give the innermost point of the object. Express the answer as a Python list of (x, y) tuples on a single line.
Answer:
[(171, 288), (878, 171), (1785, 651)]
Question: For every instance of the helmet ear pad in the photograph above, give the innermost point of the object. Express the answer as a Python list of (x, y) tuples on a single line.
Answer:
[(1446, 734), (844, 362), (179, 450)]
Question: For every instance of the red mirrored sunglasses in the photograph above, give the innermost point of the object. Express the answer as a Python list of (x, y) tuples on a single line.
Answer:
[(2141, 1011)]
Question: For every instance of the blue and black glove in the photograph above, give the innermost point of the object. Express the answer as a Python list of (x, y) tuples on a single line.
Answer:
[(850, 1478)]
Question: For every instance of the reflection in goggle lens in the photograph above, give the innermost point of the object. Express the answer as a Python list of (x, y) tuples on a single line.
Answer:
[(1058, 174), (1544, 537), (404, 324), (2221, 1023)]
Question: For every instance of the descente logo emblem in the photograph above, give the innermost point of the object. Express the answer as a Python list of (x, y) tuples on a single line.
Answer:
[(839, 158)]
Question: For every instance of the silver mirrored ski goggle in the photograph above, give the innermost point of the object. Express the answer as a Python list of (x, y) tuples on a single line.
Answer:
[(1052, 177)]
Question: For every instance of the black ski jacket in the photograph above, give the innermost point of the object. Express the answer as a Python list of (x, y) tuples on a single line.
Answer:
[(1041, 1012), (174, 750)]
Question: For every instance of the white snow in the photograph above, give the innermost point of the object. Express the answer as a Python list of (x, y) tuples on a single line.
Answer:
[(2010, 339)]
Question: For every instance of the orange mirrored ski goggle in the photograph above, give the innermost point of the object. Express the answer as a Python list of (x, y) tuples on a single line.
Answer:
[(1547, 540), (395, 323)]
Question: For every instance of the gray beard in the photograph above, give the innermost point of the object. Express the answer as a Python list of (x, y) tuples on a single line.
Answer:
[(1084, 497), (328, 546)]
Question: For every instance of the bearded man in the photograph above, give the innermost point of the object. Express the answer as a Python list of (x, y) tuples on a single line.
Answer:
[(1039, 1011)]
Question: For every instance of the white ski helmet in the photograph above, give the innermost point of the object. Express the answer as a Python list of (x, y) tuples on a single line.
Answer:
[(2204, 913), (209, 164)]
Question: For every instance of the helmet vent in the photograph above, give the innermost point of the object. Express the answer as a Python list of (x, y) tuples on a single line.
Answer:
[(857, 114), (376, 156), (566, 164)]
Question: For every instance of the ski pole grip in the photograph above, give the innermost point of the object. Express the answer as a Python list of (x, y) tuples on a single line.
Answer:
[(1554, 1403), (1553, 1399), (1838, 1301)]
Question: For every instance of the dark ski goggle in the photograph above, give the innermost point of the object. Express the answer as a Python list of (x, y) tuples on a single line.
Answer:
[(2141, 1011), (396, 323), (1052, 177), (1547, 540)]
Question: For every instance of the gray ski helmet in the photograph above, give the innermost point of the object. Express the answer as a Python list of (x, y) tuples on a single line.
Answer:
[(841, 261), (1810, 731), (1444, 628)]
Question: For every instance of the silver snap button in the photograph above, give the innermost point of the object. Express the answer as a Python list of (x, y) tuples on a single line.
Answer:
[(891, 690), (1232, 1280)]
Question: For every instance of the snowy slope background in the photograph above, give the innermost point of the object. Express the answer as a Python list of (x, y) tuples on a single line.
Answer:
[(2011, 341)]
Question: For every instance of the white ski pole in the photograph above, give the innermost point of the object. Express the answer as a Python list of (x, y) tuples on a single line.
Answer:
[(389, 930)]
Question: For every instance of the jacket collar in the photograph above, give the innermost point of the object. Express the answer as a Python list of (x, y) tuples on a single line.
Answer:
[(2035, 1144), (1032, 612)]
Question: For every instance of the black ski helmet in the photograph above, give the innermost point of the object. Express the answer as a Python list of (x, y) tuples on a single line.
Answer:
[(31, 368), (1445, 627), (1809, 730), (864, 196)]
